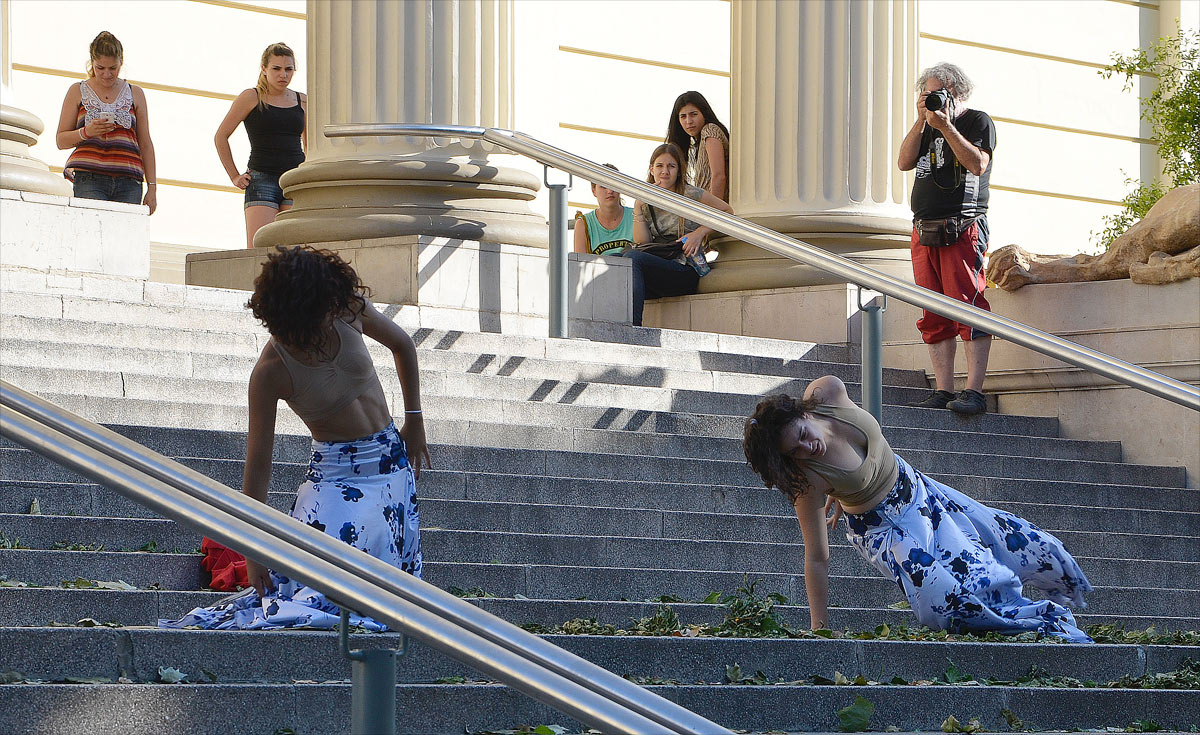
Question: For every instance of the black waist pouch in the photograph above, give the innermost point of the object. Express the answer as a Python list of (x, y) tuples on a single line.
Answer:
[(936, 233)]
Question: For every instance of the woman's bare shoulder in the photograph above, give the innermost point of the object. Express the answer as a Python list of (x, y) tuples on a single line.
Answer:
[(828, 389)]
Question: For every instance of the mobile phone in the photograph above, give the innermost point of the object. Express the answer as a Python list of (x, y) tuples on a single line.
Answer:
[(107, 116)]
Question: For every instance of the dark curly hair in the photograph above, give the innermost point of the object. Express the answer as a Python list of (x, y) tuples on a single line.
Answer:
[(761, 443), (299, 288)]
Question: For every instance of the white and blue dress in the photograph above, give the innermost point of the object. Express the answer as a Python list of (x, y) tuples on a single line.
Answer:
[(961, 565), (361, 492)]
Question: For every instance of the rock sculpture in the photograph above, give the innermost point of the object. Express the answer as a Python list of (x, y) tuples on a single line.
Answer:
[(1162, 248)]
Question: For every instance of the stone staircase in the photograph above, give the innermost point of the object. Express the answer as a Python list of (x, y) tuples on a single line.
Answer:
[(595, 479)]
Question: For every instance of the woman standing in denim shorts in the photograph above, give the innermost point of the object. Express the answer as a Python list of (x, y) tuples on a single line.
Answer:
[(104, 119), (274, 120)]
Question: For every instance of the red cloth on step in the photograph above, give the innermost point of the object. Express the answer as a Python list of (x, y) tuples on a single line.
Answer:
[(228, 568)]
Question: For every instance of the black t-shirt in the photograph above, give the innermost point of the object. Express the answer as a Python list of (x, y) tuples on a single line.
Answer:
[(943, 188)]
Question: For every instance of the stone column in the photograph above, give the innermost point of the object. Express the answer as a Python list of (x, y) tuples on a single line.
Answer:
[(821, 99), (19, 129), (420, 61)]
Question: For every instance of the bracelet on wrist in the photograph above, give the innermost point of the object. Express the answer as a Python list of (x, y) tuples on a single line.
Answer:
[(416, 411), (82, 136), (151, 183)]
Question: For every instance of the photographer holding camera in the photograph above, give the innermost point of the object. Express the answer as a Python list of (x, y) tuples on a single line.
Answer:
[(950, 146)]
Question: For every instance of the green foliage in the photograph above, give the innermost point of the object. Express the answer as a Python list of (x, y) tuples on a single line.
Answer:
[(1016, 724), (82, 583), (1173, 111), (1149, 636), (954, 675), (588, 626), (664, 621), (856, 717), (749, 615), (1187, 676), (950, 724), (10, 543), (1144, 726), (1134, 207), (473, 592), (67, 546)]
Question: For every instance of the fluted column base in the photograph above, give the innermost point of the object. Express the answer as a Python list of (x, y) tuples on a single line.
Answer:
[(422, 194), (19, 129), (871, 239)]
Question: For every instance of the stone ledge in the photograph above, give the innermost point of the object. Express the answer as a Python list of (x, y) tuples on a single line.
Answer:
[(490, 283), (65, 234)]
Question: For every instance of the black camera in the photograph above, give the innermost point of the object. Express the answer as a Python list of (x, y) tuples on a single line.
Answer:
[(937, 99)]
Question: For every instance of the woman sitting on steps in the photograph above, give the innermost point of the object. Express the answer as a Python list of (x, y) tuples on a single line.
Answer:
[(960, 564)]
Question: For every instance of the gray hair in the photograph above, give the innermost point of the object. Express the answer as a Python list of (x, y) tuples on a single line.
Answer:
[(952, 79)]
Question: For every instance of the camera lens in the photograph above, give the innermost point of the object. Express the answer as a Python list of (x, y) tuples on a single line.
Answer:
[(936, 100)]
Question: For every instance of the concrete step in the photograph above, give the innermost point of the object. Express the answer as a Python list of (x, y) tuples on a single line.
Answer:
[(495, 432), (136, 709), (182, 308), (252, 656), (39, 606), (537, 404), (557, 582), (17, 464), (220, 404), (69, 498), (509, 547), (1167, 535), (82, 499), (465, 352)]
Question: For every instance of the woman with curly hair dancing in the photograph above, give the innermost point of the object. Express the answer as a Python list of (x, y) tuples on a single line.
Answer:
[(960, 564), (360, 484)]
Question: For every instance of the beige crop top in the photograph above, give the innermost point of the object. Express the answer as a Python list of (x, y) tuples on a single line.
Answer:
[(319, 391), (878, 470)]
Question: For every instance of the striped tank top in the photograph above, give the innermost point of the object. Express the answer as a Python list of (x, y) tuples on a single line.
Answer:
[(115, 153)]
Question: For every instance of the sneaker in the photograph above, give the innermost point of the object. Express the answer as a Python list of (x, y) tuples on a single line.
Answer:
[(968, 402), (939, 399)]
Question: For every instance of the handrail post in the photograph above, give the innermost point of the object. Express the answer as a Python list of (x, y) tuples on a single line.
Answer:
[(872, 354), (558, 255), (373, 684)]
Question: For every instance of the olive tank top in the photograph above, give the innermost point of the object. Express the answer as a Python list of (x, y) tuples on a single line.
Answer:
[(319, 391), (878, 470)]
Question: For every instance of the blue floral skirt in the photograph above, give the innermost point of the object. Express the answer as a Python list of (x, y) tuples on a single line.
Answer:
[(962, 565), (361, 492)]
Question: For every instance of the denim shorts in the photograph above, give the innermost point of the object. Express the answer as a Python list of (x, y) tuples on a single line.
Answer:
[(92, 185), (264, 191)]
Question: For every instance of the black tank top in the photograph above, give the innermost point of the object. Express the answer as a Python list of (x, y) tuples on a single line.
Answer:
[(274, 134)]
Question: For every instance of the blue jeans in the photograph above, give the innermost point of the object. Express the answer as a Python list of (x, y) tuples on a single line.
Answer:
[(91, 185), (655, 277), (264, 191)]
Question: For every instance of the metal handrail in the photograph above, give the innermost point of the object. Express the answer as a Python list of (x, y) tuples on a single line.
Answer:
[(1094, 361), (558, 678)]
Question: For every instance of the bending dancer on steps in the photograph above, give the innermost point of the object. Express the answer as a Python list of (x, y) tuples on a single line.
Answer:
[(960, 564), (360, 484)]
